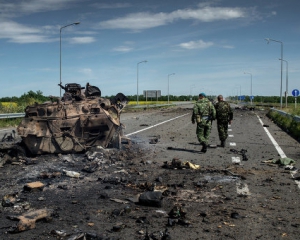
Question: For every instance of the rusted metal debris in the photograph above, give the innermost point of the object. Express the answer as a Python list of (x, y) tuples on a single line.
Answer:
[(27, 220), (79, 120)]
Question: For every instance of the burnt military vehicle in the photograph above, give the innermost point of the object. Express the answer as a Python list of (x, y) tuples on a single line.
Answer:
[(79, 120)]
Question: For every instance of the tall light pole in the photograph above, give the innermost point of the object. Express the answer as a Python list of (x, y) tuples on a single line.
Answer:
[(137, 81), (191, 88), (251, 86), (286, 81), (268, 41), (75, 23), (169, 84), (240, 92)]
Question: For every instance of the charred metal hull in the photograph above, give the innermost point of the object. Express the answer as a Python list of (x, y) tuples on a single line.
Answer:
[(73, 124)]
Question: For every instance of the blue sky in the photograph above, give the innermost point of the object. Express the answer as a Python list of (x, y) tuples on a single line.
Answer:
[(207, 44)]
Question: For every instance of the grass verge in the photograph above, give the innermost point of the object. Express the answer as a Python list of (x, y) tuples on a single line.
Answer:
[(286, 123)]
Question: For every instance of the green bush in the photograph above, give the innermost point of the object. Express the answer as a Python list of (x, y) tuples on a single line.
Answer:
[(286, 123)]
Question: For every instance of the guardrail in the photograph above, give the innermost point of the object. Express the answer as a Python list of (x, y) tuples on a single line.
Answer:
[(159, 105), (19, 115), (296, 118), (11, 115)]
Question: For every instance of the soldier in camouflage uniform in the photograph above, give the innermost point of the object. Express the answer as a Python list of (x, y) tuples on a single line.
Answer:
[(203, 112), (224, 117)]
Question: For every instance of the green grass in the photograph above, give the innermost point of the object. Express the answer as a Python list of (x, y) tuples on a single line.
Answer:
[(4, 123), (288, 124), (10, 108)]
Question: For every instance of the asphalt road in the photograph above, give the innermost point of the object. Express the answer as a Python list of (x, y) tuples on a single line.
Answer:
[(174, 129), (236, 194), (270, 193)]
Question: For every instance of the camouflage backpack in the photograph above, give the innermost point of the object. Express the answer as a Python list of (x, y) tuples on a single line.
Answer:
[(223, 109)]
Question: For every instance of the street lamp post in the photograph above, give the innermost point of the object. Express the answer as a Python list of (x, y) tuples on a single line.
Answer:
[(286, 81), (240, 92), (251, 86), (75, 23), (169, 84), (137, 81), (191, 89), (268, 40)]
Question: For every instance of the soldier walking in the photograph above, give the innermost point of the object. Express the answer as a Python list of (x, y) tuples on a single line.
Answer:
[(203, 112), (224, 117)]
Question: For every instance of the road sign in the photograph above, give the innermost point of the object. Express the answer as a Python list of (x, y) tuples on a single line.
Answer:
[(152, 93), (242, 97), (295, 92), (251, 97)]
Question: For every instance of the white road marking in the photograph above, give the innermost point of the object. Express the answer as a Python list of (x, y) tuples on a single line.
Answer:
[(242, 189), (2, 130), (236, 160), (156, 125), (276, 145), (298, 183), (229, 130), (278, 148)]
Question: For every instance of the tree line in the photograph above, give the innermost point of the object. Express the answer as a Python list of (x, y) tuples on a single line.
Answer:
[(31, 97)]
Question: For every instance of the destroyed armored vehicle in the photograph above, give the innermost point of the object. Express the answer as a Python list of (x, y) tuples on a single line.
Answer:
[(79, 120)]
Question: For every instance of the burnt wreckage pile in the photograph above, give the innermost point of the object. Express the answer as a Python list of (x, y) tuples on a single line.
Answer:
[(79, 120)]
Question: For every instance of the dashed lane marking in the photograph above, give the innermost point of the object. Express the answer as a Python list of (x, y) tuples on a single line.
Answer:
[(242, 188), (156, 125), (236, 160), (298, 183)]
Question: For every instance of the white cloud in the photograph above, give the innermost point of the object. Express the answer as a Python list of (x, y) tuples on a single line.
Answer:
[(82, 40), (122, 49), (144, 20), (228, 46), (86, 71), (9, 9), (30, 39), (209, 14), (196, 45), (111, 6), (20, 33), (136, 21), (10, 28)]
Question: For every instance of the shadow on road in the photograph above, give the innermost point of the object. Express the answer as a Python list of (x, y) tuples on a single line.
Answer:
[(184, 150)]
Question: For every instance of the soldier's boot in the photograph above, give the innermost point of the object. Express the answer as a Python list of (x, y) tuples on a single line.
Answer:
[(223, 143), (204, 148)]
